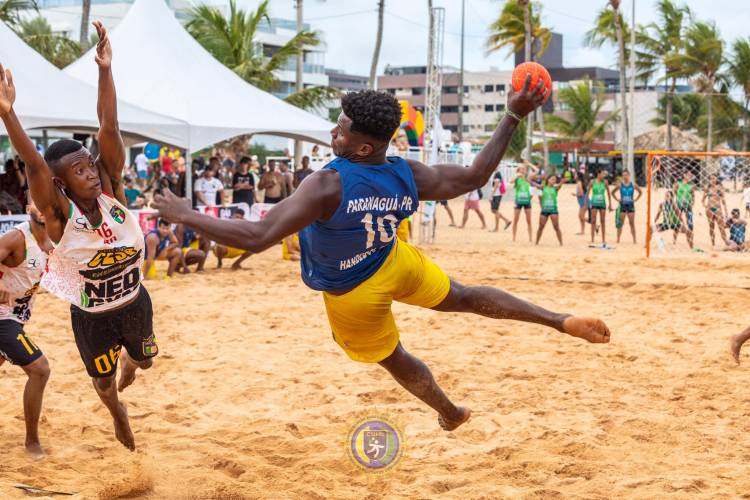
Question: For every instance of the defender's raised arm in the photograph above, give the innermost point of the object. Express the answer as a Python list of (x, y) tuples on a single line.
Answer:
[(45, 194), (111, 148)]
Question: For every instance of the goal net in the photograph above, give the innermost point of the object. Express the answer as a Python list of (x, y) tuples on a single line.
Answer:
[(691, 197)]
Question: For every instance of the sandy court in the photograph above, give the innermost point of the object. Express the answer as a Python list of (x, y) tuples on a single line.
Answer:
[(250, 397)]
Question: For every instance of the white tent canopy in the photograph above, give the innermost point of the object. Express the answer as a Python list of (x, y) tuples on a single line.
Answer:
[(48, 98), (157, 64)]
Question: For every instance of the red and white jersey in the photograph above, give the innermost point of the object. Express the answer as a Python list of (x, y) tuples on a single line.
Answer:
[(97, 268), (22, 281)]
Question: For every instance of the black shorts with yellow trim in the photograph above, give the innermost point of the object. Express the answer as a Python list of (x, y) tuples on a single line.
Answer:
[(100, 337), (15, 345)]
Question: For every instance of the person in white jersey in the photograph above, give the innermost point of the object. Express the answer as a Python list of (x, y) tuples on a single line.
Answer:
[(23, 257), (98, 256)]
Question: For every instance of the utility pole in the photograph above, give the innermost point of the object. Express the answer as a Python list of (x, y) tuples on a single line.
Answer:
[(300, 83), (461, 78), (631, 136)]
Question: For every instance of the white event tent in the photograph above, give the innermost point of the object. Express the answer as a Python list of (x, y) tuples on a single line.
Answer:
[(48, 98), (159, 66)]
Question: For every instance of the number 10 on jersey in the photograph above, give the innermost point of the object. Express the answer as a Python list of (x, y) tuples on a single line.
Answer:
[(380, 222)]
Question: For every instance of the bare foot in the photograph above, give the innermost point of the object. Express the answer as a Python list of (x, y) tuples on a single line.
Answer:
[(461, 417), (122, 428), (35, 450), (236, 267), (507, 225), (127, 371), (591, 329), (734, 348), (494, 230)]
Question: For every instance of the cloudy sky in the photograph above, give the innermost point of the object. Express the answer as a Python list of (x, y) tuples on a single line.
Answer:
[(349, 28)]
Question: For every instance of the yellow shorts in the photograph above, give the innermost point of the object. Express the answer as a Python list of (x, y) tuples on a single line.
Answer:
[(361, 319), (232, 252), (403, 230), (286, 253)]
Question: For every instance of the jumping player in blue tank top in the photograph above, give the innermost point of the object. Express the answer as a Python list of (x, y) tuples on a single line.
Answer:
[(347, 214)]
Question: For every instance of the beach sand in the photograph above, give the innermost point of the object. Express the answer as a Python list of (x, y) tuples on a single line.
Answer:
[(251, 398)]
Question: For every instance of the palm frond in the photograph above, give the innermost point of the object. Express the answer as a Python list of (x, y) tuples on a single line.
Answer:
[(313, 98)]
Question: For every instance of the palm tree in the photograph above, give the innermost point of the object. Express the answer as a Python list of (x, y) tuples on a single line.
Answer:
[(231, 40), (681, 111), (659, 43), (10, 9), (57, 49), (739, 71), (585, 103), (703, 58), (611, 28), (85, 13), (378, 42), (519, 28)]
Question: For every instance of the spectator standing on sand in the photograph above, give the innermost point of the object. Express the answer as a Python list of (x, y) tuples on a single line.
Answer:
[(207, 187), (300, 174), (274, 184), (243, 183)]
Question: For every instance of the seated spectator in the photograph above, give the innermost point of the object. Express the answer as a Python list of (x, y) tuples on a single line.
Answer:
[(737, 227), (290, 248), (243, 183), (161, 244), (223, 252), (195, 249)]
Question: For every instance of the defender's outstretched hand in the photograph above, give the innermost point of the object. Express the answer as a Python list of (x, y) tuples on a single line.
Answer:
[(527, 99), (103, 48), (7, 91), (171, 207)]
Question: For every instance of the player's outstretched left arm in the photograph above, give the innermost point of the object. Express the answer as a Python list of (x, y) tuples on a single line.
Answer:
[(314, 200), (445, 182), (111, 148)]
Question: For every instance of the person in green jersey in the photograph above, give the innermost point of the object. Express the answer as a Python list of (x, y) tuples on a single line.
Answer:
[(549, 207), (598, 193), (685, 198), (670, 216), (522, 185)]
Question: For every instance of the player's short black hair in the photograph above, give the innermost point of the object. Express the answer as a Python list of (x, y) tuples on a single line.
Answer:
[(61, 148), (239, 211), (245, 159), (374, 114), (163, 222)]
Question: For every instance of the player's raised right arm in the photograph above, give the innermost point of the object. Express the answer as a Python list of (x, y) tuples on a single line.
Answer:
[(317, 198), (41, 186)]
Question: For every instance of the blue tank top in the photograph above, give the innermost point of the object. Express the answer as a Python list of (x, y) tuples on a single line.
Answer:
[(737, 233), (342, 252), (163, 243), (188, 236), (627, 194)]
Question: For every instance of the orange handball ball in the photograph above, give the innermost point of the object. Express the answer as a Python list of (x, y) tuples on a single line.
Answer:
[(537, 71)]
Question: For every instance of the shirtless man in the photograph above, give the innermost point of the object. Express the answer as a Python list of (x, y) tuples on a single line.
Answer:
[(274, 184)]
